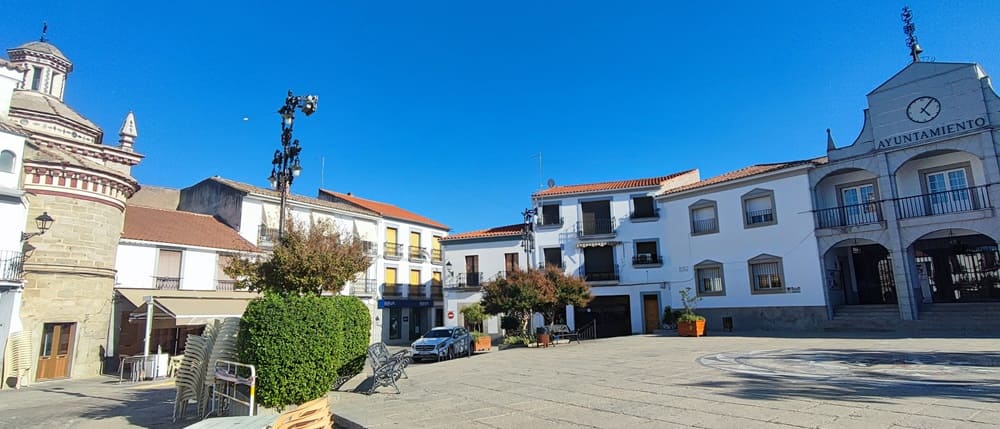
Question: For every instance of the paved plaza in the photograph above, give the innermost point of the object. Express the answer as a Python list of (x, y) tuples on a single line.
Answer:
[(628, 382)]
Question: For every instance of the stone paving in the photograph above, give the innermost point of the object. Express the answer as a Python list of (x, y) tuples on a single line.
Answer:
[(710, 382)]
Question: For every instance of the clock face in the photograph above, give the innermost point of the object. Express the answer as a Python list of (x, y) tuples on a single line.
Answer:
[(923, 109)]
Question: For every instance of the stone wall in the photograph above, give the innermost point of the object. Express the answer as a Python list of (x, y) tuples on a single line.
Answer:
[(811, 318), (70, 276)]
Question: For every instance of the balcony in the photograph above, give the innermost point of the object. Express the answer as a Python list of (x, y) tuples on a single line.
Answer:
[(11, 266), (226, 285), (464, 280), (597, 276), (393, 290), (759, 217), (596, 228), (939, 203), (436, 257), (549, 222), (647, 214), (647, 259), (417, 254), (167, 283), (369, 247), (267, 237), (362, 287), (437, 293), (854, 214), (705, 226), (417, 292), (393, 251)]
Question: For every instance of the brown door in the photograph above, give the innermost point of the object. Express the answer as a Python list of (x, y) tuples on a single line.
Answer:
[(650, 313), (57, 351)]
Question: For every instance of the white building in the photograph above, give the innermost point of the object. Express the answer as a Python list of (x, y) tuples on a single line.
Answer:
[(906, 214), (13, 210), (176, 258), (612, 235), (476, 257), (744, 242), (409, 268)]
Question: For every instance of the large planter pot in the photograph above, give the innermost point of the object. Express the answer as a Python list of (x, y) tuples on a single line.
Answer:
[(483, 343), (543, 340), (691, 329)]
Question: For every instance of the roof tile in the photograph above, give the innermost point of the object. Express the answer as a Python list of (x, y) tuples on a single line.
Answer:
[(608, 186), (385, 209), (744, 173), (499, 231), (179, 227)]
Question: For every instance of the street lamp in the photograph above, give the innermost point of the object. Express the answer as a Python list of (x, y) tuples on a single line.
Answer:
[(43, 222), (528, 234), (285, 165)]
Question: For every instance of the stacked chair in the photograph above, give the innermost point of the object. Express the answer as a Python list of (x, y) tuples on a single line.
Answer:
[(194, 378)]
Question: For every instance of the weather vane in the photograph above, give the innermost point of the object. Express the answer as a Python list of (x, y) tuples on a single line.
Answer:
[(911, 38), (45, 28)]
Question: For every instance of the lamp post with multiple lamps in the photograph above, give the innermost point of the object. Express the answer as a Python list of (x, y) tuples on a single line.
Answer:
[(285, 165), (528, 234)]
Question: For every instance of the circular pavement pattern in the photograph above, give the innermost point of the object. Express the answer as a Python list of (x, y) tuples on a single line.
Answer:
[(981, 369)]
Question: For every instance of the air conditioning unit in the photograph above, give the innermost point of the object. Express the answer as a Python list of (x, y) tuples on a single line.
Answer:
[(644, 257)]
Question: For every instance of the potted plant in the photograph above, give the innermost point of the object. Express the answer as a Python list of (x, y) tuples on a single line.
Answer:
[(690, 324), (481, 342), (669, 318)]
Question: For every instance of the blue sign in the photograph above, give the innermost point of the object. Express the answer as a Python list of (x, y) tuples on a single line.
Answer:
[(405, 303)]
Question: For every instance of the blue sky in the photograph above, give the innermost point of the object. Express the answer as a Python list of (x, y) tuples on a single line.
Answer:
[(438, 107)]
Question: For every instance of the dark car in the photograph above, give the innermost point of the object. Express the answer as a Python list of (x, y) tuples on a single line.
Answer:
[(442, 343)]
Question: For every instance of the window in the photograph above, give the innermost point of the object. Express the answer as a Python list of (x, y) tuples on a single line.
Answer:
[(643, 207), (709, 278), (392, 246), (859, 204), (416, 252), (472, 276), (758, 208), (646, 253), (222, 281), (553, 256), (168, 269), (7, 161), (766, 274), (510, 262), (596, 218), (436, 279), (550, 215), (949, 190), (436, 249), (704, 217), (36, 78), (599, 264)]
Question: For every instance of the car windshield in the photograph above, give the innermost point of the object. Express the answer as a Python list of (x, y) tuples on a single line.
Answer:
[(438, 333)]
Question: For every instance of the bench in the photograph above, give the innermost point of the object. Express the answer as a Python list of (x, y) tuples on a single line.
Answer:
[(386, 367), (558, 332)]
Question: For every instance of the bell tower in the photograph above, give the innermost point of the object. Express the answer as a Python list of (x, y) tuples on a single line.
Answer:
[(46, 66)]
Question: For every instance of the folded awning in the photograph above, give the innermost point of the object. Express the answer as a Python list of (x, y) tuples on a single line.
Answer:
[(192, 309), (584, 244)]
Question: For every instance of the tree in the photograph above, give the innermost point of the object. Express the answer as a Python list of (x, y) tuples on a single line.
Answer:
[(305, 261), (518, 295), (474, 315), (569, 290)]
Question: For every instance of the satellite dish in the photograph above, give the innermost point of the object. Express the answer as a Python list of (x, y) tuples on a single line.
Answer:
[(551, 183)]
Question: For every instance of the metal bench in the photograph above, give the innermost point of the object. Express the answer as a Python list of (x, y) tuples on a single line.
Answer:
[(387, 368), (557, 332)]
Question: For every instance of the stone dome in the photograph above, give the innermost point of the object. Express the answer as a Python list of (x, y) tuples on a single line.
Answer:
[(43, 47)]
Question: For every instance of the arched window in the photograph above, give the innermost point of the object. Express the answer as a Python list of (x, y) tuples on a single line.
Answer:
[(7, 161)]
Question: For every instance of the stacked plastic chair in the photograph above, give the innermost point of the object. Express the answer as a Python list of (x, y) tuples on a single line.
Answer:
[(19, 356), (194, 378), (224, 335)]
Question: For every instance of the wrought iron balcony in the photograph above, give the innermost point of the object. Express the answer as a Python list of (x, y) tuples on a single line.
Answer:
[(647, 259), (225, 285), (437, 292), (654, 213), (11, 265), (393, 289), (542, 221), (854, 214), (267, 237), (595, 228), (417, 254), (436, 256), (938, 203), (369, 247), (362, 287), (599, 275), (704, 226), (393, 251), (167, 283), (417, 292), (757, 217), (468, 280)]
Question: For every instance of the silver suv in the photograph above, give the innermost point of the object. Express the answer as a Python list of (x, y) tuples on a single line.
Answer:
[(442, 343)]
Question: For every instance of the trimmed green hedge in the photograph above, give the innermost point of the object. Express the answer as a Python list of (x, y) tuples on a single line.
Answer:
[(354, 325)]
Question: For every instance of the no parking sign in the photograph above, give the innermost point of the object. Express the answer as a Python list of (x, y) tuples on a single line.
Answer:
[(451, 314)]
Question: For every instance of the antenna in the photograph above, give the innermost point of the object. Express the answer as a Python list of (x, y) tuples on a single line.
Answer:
[(322, 172), (910, 30), (539, 155)]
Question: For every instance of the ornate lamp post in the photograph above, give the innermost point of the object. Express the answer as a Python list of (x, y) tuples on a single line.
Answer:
[(285, 165), (528, 234)]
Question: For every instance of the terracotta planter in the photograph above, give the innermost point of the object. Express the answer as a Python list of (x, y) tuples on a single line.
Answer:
[(691, 329), (543, 340), (483, 343)]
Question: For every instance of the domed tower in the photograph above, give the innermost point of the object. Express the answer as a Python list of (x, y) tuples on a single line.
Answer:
[(83, 185)]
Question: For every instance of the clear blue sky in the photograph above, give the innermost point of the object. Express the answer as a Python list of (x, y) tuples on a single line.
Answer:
[(438, 106)]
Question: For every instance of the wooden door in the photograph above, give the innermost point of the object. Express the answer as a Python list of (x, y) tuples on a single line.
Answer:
[(650, 313), (57, 351)]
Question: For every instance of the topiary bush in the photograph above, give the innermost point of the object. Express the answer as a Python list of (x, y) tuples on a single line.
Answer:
[(293, 341), (354, 327)]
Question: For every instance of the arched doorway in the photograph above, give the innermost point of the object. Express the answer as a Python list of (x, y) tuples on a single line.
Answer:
[(859, 272), (957, 265)]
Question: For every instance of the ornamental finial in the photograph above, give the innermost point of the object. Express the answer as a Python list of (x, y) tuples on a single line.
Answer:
[(910, 30)]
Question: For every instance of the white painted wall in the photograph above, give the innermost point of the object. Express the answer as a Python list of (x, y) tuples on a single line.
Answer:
[(908, 179), (826, 189), (792, 238), (491, 261), (136, 266), (198, 269)]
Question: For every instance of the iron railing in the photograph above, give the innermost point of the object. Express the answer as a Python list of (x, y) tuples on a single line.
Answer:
[(759, 216), (587, 331), (362, 287), (436, 256), (937, 203), (267, 237), (645, 259), (437, 292), (167, 283), (393, 289), (596, 227), (417, 254), (854, 214), (645, 214), (393, 250), (468, 279), (225, 285), (11, 265), (369, 247), (702, 226), (599, 276), (542, 221), (417, 291)]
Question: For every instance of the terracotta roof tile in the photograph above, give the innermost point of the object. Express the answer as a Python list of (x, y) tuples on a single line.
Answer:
[(744, 173), (500, 231), (179, 227), (608, 186), (385, 209)]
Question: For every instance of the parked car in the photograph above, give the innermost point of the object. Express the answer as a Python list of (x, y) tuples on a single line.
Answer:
[(442, 343)]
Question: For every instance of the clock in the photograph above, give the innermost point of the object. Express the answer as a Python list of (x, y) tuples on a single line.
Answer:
[(923, 109)]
